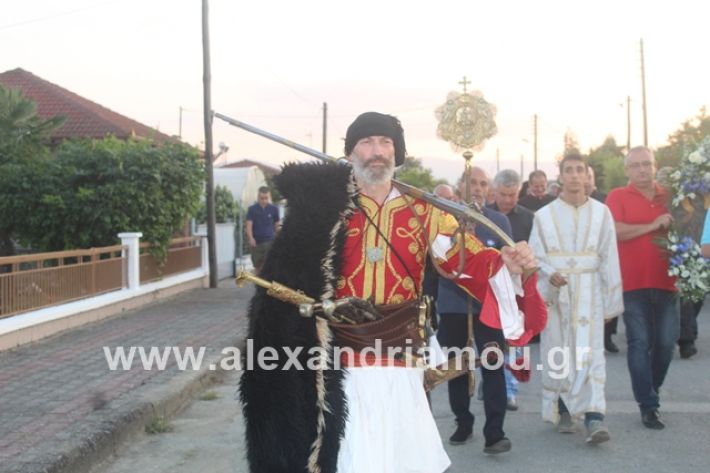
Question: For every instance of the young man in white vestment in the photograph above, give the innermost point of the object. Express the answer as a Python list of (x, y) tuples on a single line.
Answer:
[(574, 241)]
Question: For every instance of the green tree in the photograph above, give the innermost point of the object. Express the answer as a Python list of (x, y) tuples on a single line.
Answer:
[(275, 194), (225, 207), (94, 189), (684, 140), (24, 139), (615, 175), (607, 161), (412, 172)]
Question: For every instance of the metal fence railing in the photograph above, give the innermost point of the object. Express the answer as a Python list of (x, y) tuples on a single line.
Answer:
[(38, 280), (184, 254)]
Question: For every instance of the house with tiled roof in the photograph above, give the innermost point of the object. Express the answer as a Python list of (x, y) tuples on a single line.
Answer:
[(84, 118)]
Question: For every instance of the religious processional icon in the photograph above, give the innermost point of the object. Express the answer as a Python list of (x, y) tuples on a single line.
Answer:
[(466, 120)]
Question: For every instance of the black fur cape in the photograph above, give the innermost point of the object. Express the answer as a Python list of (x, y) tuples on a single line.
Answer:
[(295, 419)]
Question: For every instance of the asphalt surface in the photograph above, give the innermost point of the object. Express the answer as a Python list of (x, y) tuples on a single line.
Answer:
[(208, 435)]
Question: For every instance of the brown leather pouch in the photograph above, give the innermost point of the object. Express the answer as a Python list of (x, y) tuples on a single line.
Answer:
[(399, 323)]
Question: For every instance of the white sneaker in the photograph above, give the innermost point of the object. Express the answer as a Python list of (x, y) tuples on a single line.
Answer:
[(597, 432), (512, 404)]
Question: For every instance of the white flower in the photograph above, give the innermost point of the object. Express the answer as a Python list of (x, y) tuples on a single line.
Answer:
[(695, 157)]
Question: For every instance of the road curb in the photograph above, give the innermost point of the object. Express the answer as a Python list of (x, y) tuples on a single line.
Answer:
[(110, 433)]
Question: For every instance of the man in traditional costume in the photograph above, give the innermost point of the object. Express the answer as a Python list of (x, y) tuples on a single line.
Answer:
[(575, 243), (350, 233)]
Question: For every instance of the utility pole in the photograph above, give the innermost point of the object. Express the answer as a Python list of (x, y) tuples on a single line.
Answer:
[(325, 127), (207, 94), (497, 160), (643, 97), (521, 166), (628, 123), (535, 143), (180, 124)]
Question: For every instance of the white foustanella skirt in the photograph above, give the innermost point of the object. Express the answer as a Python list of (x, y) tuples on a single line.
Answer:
[(390, 428)]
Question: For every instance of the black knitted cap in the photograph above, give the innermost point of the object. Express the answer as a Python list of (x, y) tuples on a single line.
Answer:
[(377, 124)]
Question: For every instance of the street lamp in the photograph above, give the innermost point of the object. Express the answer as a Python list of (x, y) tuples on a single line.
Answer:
[(223, 148)]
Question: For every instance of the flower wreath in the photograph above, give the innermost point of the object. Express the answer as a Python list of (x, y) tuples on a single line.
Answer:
[(690, 185)]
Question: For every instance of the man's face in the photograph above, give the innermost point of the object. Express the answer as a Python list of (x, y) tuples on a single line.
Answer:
[(446, 192), (506, 198), (537, 186), (640, 168), (373, 159), (573, 176), (479, 187), (263, 198)]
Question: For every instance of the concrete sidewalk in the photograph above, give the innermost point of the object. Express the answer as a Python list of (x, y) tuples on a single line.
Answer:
[(62, 409)]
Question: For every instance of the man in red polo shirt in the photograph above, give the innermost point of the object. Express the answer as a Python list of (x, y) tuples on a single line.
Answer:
[(652, 313)]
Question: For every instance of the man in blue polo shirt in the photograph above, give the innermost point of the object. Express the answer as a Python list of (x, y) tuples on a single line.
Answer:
[(262, 224)]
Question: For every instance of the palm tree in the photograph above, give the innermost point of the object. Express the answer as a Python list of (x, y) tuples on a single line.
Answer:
[(23, 138), (23, 134)]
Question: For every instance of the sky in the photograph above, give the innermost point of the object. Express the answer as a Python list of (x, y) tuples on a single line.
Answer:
[(274, 63)]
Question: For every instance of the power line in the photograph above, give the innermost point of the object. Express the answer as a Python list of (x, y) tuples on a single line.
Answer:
[(290, 89)]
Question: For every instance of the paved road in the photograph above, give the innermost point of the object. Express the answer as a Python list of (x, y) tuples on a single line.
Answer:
[(208, 435)]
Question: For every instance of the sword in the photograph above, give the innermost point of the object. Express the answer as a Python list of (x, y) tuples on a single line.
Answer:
[(307, 306), (453, 208)]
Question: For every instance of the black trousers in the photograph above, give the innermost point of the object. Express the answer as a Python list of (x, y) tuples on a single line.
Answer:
[(453, 332), (689, 311), (610, 327)]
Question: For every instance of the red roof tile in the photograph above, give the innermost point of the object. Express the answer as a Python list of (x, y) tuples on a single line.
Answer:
[(84, 118)]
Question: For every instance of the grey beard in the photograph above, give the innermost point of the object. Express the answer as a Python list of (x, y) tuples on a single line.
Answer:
[(372, 176)]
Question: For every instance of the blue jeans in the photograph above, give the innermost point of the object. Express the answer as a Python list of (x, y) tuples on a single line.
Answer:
[(652, 319), (511, 384)]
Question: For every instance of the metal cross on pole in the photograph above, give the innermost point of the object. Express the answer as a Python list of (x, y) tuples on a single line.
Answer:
[(464, 83)]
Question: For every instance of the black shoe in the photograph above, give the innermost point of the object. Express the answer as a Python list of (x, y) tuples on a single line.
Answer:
[(651, 420), (610, 346), (462, 435), (501, 446), (687, 350)]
